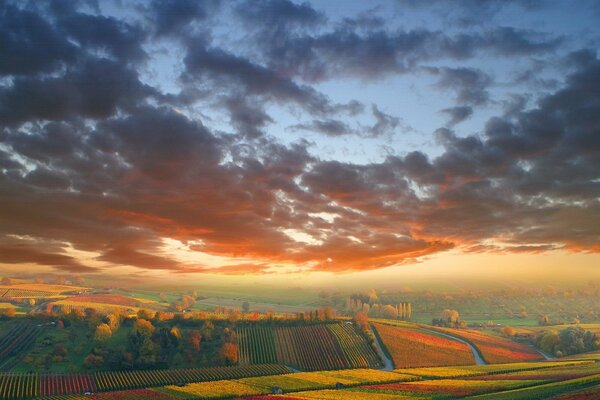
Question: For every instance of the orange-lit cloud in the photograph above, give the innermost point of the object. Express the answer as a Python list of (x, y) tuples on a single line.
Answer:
[(182, 176)]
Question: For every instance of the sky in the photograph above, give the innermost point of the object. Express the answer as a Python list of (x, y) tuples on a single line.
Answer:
[(281, 139)]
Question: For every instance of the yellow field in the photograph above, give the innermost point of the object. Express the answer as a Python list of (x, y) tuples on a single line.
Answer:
[(218, 389)]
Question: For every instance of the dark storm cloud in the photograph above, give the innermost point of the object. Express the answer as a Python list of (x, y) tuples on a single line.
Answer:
[(95, 88), (30, 43), (229, 70), (94, 156), (121, 40)]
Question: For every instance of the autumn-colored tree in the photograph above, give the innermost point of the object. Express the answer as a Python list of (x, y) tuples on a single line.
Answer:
[(113, 320), (176, 332), (143, 327), (409, 311), (233, 316), (229, 353), (8, 312), (145, 314), (329, 313), (509, 331), (103, 332), (361, 320), (451, 317), (194, 340), (390, 311)]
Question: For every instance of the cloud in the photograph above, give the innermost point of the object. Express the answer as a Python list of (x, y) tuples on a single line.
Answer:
[(458, 114), (469, 84), (95, 155), (330, 127), (96, 88)]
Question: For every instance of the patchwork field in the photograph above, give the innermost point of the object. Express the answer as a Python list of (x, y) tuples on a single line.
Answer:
[(535, 380), (308, 348), (415, 348)]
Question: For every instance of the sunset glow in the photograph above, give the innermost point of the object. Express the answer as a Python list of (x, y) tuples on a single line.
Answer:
[(277, 138)]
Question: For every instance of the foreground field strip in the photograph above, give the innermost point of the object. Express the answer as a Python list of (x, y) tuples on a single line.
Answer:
[(475, 370), (19, 386), (543, 391), (373, 384), (449, 387)]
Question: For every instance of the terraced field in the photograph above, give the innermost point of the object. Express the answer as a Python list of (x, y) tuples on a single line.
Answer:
[(308, 348)]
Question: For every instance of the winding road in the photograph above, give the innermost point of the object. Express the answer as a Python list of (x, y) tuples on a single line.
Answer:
[(388, 365)]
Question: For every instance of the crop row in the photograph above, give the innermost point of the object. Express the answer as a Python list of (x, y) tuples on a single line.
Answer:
[(256, 345), (411, 348), (111, 380), (17, 386), (22, 293), (56, 384), (15, 341), (309, 348), (355, 347)]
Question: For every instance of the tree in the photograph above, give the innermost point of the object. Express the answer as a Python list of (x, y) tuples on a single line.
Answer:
[(194, 340), (103, 332), (451, 317), (390, 311), (245, 307), (229, 352), (362, 321), (143, 327), (8, 312), (145, 314), (508, 331)]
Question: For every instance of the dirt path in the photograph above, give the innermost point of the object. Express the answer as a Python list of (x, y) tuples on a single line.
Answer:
[(388, 365)]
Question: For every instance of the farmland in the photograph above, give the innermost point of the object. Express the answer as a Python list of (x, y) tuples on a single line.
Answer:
[(495, 349), (414, 348), (537, 380), (308, 348), (14, 342)]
